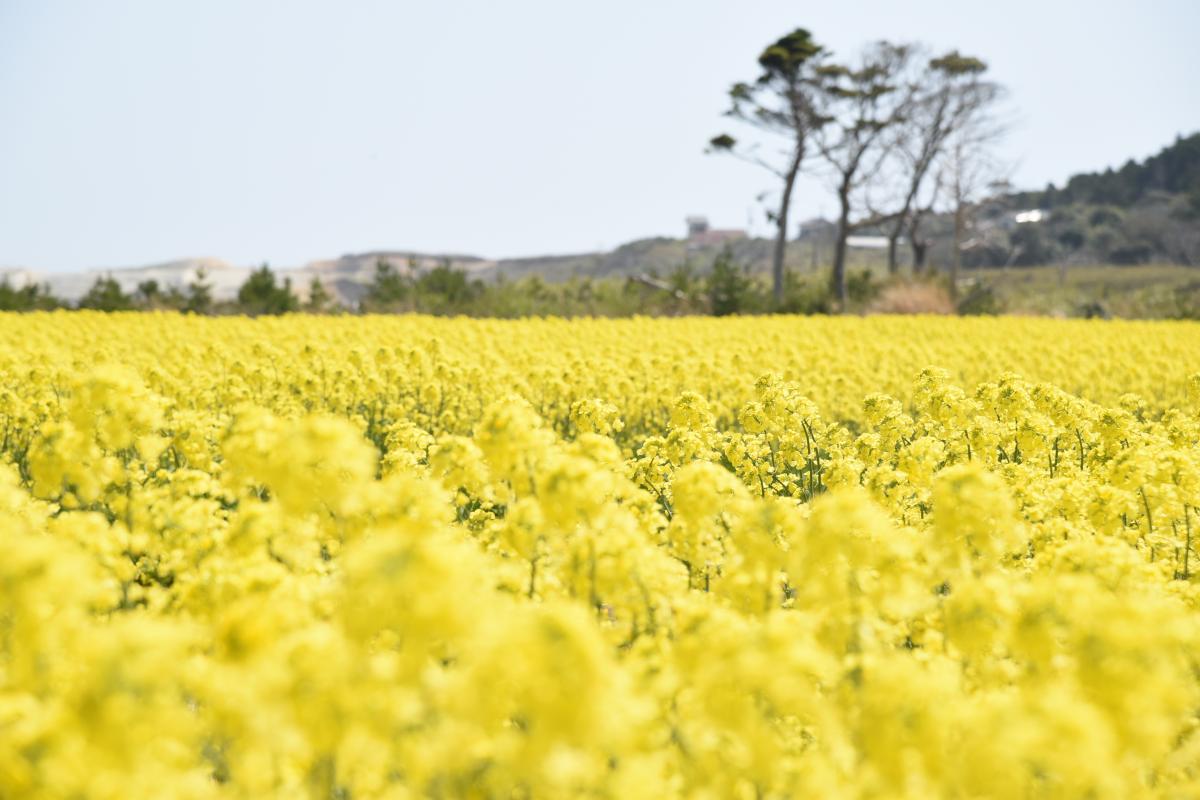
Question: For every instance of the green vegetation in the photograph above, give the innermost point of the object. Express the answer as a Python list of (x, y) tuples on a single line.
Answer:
[(1174, 170), (1152, 291), (721, 286), (26, 298), (106, 295), (260, 294), (1144, 213)]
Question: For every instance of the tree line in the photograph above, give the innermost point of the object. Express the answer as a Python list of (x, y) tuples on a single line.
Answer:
[(260, 294), (1174, 170), (720, 286)]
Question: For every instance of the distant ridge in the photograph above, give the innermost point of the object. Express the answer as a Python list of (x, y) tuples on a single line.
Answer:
[(346, 276), (1173, 170), (349, 275)]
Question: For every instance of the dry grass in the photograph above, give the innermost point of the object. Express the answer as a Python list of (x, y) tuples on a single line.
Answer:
[(912, 298)]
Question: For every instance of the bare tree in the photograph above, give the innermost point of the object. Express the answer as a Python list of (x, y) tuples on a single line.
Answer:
[(781, 102), (968, 169), (946, 94), (859, 105)]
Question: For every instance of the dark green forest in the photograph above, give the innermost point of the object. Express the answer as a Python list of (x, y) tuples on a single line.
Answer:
[(1173, 171)]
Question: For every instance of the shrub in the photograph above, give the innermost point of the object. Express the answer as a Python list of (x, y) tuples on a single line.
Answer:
[(980, 299)]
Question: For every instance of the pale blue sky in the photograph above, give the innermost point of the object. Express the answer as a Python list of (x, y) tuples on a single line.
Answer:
[(134, 131)]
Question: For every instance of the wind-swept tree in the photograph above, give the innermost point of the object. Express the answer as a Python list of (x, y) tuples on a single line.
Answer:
[(947, 95), (859, 104), (781, 102)]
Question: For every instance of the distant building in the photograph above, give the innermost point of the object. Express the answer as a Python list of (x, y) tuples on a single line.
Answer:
[(696, 226), (822, 230), (867, 242), (1007, 220), (700, 235)]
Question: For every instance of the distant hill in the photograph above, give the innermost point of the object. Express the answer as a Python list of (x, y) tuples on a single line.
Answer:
[(658, 255), (1141, 213), (346, 277), (1174, 170)]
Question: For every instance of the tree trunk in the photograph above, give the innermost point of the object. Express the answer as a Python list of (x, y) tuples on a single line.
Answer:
[(919, 249), (781, 219), (919, 246), (904, 216), (837, 280)]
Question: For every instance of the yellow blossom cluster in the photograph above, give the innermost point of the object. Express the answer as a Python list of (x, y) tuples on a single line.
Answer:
[(362, 557)]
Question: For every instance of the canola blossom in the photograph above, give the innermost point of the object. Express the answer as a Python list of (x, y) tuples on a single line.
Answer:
[(405, 557)]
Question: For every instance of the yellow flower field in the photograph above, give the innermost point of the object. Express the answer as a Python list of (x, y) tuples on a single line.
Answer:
[(404, 557)]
